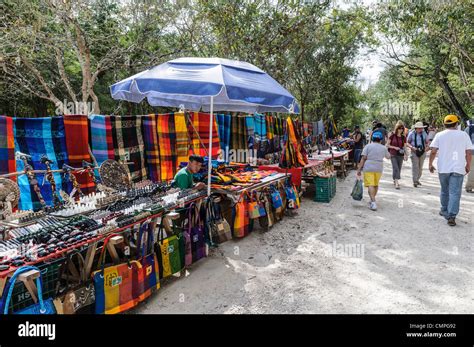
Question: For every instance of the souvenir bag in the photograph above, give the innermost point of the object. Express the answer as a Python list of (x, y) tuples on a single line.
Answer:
[(242, 224), (199, 247), (256, 208), (79, 297), (275, 195), (149, 264), (117, 286), (290, 197), (41, 307), (168, 252), (196, 231), (220, 228)]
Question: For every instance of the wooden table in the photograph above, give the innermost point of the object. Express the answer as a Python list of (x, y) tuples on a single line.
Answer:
[(340, 159)]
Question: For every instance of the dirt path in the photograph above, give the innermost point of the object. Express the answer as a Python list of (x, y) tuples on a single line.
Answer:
[(404, 259)]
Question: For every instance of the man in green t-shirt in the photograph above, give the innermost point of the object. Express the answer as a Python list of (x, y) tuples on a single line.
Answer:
[(184, 177)]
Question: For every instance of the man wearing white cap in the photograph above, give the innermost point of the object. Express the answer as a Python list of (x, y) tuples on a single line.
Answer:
[(454, 149), (417, 141), (470, 178)]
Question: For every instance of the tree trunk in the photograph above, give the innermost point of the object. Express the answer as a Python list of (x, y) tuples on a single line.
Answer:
[(443, 82)]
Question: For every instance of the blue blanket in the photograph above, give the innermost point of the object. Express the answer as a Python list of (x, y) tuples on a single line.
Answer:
[(38, 137)]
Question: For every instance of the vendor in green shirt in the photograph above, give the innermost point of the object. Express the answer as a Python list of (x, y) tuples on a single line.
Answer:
[(184, 177)]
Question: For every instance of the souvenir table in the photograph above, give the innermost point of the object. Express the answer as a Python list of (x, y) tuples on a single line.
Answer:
[(272, 179), (91, 244), (339, 158)]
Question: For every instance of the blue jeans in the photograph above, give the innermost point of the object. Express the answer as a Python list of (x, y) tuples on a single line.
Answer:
[(451, 188), (357, 153)]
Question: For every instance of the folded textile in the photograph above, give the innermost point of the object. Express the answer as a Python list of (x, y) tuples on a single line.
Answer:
[(199, 133), (7, 146), (224, 125), (102, 144), (77, 143), (38, 137), (152, 150), (128, 144), (167, 146), (182, 137)]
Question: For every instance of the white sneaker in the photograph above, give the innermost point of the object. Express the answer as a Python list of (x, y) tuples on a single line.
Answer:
[(373, 206)]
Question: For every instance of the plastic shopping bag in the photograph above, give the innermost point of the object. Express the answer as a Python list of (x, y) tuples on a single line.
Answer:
[(358, 190)]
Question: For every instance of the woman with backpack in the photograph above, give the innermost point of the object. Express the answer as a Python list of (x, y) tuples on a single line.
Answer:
[(396, 145)]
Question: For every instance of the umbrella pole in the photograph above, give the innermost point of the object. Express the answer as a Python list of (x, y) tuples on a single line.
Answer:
[(209, 164)]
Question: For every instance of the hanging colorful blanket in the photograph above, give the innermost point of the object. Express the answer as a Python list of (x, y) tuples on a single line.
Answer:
[(250, 125), (102, 144), (37, 137), (167, 146), (260, 127), (182, 138), (77, 143), (199, 133), (128, 144), (152, 150), (224, 124), (7, 146)]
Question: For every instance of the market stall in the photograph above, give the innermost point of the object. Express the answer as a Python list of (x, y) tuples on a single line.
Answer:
[(90, 217)]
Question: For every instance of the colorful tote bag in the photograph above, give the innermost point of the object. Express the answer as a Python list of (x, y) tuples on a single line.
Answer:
[(256, 208), (168, 253), (276, 198), (117, 287), (41, 307), (242, 224), (149, 264), (220, 228), (195, 230)]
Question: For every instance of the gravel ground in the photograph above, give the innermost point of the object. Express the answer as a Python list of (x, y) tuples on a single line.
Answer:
[(340, 258)]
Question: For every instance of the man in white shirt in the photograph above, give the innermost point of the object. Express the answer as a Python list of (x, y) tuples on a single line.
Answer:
[(454, 161), (470, 178)]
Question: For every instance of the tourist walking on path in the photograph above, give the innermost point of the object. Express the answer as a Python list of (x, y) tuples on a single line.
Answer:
[(454, 149), (417, 141), (397, 147), (470, 178), (380, 128), (358, 143), (372, 164)]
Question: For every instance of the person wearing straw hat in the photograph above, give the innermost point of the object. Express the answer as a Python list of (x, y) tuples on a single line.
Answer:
[(454, 149), (417, 141), (470, 178)]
